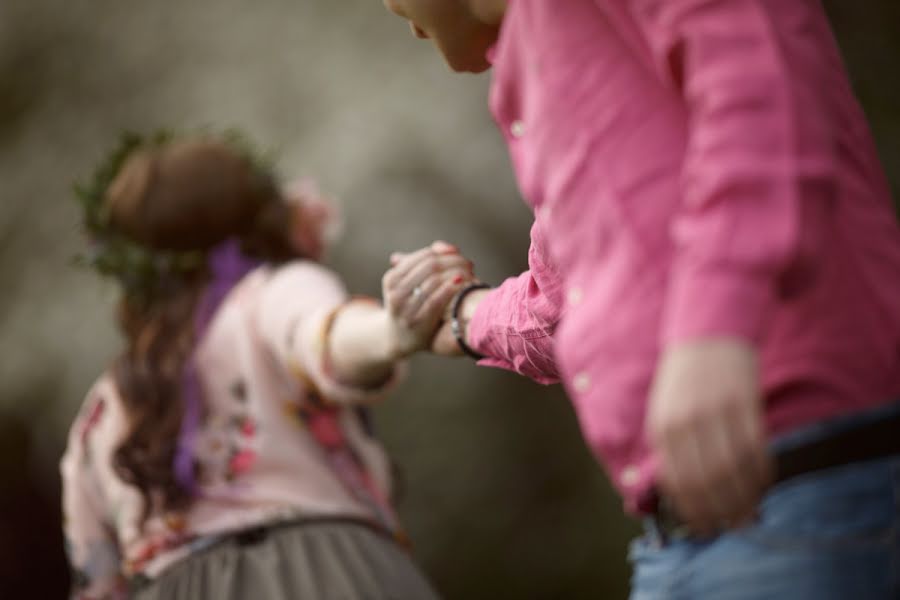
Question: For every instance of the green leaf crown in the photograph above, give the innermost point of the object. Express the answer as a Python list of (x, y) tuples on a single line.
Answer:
[(140, 270)]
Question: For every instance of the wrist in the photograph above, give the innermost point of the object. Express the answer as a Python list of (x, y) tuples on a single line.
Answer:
[(390, 347), (462, 309), (467, 311)]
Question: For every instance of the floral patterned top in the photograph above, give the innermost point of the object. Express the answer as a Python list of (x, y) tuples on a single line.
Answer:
[(279, 439)]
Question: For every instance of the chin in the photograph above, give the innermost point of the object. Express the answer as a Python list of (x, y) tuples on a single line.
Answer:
[(480, 68), (468, 66)]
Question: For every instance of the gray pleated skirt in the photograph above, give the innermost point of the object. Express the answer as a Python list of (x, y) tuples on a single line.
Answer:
[(327, 560)]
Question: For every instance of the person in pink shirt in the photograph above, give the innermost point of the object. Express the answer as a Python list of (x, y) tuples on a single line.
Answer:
[(226, 452), (714, 276)]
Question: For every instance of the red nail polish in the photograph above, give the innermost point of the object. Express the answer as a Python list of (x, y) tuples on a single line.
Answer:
[(458, 279)]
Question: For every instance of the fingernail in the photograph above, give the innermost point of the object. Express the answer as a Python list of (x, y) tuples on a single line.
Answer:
[(458, 279), (444, 248)]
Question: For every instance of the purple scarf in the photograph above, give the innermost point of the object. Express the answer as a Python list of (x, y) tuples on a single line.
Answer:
[(227, 265)]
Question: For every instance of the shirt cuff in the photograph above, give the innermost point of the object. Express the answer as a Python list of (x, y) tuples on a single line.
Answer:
[(483, 336), (719, 301)]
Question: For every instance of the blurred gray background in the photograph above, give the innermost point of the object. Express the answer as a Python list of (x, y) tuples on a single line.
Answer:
[(502, 500)]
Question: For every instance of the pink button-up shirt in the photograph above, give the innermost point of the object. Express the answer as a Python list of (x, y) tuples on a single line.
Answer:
[(697, 168)]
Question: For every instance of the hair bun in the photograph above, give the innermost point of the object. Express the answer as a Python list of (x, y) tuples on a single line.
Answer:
[(186, 195), (129, 186)]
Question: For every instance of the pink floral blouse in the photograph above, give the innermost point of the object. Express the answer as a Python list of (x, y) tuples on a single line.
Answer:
[(279, 439)]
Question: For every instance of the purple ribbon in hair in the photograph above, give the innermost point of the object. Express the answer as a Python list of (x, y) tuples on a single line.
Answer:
[(227, 266)]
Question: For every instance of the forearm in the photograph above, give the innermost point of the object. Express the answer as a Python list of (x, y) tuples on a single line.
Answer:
[(512, 326), (361, 348)]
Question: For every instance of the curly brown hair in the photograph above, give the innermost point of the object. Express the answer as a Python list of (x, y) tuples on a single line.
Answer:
[(185, 195)]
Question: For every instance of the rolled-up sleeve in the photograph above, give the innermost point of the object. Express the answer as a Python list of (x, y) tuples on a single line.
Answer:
[(759, 179), (294, 312), (514, 324)]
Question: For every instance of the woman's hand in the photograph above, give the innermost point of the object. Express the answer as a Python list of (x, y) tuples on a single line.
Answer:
[(417, 292)]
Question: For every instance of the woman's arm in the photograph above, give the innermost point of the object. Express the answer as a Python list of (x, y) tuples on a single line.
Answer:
[(346, 347), (366, 340)]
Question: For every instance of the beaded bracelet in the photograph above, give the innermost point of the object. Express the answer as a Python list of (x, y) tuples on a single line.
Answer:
[(455, 326)]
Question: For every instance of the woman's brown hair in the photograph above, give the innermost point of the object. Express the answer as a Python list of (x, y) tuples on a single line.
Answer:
[(187, 195)]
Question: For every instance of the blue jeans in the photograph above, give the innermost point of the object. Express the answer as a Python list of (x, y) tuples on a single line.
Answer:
[(830, 535)]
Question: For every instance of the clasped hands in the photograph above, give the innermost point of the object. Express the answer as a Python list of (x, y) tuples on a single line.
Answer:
[(418, 291)]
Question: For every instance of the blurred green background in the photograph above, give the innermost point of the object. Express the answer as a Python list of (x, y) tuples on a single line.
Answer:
[(502, 499)]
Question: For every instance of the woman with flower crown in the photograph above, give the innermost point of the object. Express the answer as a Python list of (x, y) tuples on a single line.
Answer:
[(226, 453)]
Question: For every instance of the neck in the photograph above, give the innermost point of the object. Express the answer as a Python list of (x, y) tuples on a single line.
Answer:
[(489, 12)]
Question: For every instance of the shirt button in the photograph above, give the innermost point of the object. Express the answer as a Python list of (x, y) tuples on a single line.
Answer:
[(575, 296), (630, 476), (581, 382), (517, 129)]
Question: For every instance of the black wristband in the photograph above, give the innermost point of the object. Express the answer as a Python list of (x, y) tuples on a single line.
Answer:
[(455, 327)]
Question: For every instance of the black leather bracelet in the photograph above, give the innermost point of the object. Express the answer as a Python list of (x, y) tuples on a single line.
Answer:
[(455, 327)]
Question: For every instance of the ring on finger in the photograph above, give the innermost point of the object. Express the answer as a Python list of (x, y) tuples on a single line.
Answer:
[(417, 291)]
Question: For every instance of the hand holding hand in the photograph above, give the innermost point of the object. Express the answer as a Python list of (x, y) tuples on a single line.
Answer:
[(417, 291)]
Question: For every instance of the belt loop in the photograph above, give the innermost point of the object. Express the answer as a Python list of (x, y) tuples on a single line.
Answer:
[(655, 531)]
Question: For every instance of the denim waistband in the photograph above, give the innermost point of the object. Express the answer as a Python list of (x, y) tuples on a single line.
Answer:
[(664, 525)]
